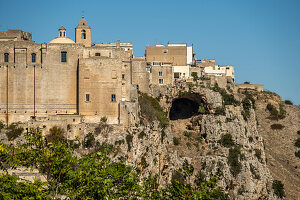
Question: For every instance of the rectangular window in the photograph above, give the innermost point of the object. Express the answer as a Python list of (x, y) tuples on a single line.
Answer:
[(33, 57), (113, 98), (161, 81), (87, 97), (123, 76), (6, 57), (97, 54), (159, 73), (156, 63), (63, 56), (176, 75)]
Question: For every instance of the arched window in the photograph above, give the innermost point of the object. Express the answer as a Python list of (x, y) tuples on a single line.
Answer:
[(6, 57), (33, 57), (60, 33), (83, 34), (64, 34)]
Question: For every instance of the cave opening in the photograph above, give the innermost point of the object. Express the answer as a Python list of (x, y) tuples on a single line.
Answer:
[(183, 108)]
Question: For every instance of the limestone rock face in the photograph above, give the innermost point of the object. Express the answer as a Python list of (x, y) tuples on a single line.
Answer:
[(151, 149), (239, 162)]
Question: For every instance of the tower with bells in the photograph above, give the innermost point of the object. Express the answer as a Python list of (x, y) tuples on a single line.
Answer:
[(83, 33), (62, 32)]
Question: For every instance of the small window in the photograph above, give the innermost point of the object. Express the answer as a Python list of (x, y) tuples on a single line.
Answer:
[(161, 81), (33, 57), (63, 56), (123, 76), (87, 97), (113, 98), (165, 51), (60, 33), (156, 63), (160, 73), (6, 57), (97, 54), (64, 34), (83, 34)]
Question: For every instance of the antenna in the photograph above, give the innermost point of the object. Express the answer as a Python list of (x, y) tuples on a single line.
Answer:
[(82, 14)]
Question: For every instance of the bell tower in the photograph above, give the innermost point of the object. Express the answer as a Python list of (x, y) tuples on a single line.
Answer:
[(83, 33), (62, 32)]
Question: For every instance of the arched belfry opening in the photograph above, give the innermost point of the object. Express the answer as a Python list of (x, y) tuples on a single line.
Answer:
[(187, 106), (83, 34)]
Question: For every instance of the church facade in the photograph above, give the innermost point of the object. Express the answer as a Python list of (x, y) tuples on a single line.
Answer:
[(66, 78)]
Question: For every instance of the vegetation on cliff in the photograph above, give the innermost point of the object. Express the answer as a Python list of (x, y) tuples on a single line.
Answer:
[(151, 110), (91, 176)]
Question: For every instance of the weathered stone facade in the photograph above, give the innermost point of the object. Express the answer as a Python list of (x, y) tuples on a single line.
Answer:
[(65, 78)]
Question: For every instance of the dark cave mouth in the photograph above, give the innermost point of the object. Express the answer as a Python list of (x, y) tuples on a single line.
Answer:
[(183, 108)]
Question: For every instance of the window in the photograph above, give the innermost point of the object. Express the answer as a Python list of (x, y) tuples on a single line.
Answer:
[(87, 97), (159, 73), (113, 98), (60, 33), (123, 76), (97, 54), (63, 56), (33, 57), (64, 34), (83, 34), (161, 81), (148, 68), (176, 75), (165, 51), (156, 63), (6, 57)]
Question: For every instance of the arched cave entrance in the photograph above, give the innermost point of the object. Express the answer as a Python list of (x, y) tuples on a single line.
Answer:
[(183, 108), (187, 106)]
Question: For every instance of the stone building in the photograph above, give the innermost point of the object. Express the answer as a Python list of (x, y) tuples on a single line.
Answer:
[(65, 78), (14, 35), (180, 56)]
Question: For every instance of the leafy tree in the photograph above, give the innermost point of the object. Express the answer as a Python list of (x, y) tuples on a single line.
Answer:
[(297, 143), (233, 160), (278, 188), (92, 176), (12, 188), (288, 102), (1, 125), (176, 141), (195, 76), (14, 130), (89, 140), (226, 140), (56, 134)]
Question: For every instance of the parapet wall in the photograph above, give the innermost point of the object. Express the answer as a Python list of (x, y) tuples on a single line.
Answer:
[(256, 87)]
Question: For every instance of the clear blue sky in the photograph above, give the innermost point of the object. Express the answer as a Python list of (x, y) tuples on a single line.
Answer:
[(261, 39)]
